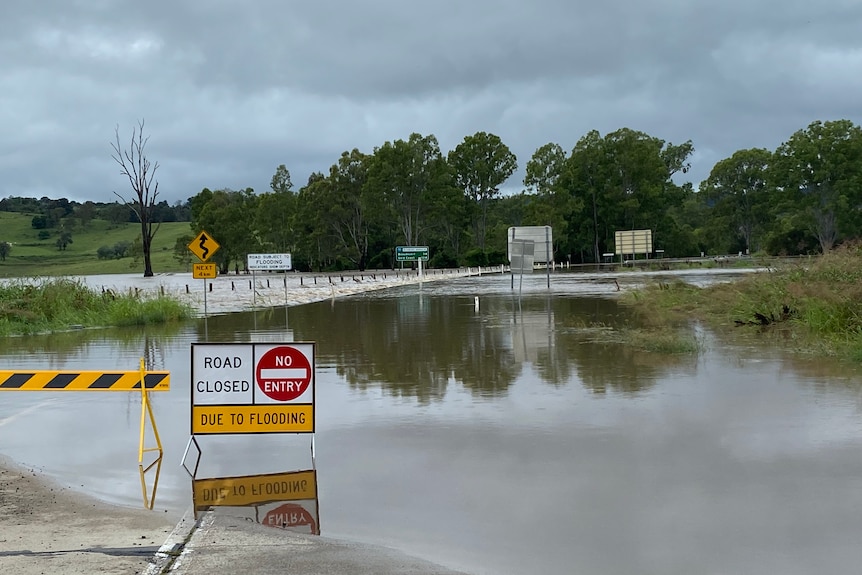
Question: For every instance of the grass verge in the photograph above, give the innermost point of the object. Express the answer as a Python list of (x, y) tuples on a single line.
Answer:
[(38, 306), (817, 301)]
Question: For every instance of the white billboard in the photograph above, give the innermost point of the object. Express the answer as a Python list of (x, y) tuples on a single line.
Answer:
[(631, 242)]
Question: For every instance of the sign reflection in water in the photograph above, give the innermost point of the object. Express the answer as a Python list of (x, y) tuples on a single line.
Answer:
[(285, 500)]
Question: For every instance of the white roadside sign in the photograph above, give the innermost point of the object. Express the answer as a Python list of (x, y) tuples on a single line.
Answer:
[(270, 262)]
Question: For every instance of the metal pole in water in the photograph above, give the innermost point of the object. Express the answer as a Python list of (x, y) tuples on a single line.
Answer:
[(511, 253), (548, 254), (206, 326), (253, 289)]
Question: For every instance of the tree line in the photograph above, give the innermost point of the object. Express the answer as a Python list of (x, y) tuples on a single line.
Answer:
[(803, 197), (49, 213)]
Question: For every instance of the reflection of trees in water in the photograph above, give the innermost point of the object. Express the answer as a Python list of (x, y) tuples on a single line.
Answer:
[(411, 346), (57, 349), (794, 357), (604, 367), (824, 376), (569, 339)]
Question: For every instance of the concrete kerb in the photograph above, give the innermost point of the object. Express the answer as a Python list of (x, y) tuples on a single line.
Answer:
[(163, 560)]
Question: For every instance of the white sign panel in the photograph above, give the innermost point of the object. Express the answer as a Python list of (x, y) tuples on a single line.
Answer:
[(252, 388), (541, 236), (630, 242), (270, 262), (224, 374)]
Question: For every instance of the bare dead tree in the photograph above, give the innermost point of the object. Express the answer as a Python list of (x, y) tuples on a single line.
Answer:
[(141, 172)]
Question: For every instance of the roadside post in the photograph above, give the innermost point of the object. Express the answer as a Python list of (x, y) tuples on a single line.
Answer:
[(204, 246)]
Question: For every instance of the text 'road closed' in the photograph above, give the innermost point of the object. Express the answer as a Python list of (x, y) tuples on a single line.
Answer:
[(290, 418)]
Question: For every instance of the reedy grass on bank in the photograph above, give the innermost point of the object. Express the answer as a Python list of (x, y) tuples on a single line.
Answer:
[(818, 300), (38, 306)]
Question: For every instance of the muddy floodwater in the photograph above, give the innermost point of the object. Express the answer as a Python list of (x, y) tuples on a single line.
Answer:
[(495, 431)]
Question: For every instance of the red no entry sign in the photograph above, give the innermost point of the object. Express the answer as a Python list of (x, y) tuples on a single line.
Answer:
[(283, 373)]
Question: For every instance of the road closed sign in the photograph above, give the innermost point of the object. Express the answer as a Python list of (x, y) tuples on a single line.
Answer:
[(252, 388)]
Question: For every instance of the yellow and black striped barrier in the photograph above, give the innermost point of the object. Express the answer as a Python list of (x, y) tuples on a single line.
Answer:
[(139, 380), (84, 380)]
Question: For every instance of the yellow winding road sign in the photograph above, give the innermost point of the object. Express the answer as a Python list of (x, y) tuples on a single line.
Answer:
[(204, 246)]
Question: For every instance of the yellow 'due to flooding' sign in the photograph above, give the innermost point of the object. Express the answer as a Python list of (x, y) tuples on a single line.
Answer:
[(252, 388)]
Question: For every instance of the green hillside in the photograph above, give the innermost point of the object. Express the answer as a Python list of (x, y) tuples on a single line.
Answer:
[(31, 255)]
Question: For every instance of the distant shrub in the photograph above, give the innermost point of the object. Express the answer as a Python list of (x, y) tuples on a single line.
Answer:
[(121, 249), (475, 258), (443, 259), (118, 251)]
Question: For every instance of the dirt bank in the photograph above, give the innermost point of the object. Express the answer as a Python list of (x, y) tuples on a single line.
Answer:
[(46, 528)]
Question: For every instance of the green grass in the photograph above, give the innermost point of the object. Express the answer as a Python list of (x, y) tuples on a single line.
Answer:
[(61, 304), (34, 257), (665, 339), (817, 301), (670, 342)]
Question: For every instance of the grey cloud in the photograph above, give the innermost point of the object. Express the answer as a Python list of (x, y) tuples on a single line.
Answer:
[(231, 89)]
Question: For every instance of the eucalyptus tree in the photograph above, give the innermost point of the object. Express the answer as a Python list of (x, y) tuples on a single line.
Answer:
[(586, 178), (229, 217), (819, 172), (480, 165), (449, 218), (549, 201), (347, 204), (625, 181), (737, 197), (316, 246), (275, 213), (405, 176)]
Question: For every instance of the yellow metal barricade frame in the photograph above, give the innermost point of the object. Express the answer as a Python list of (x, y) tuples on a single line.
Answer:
[(113, 380)]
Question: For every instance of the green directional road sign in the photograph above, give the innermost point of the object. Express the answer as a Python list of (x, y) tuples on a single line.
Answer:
[(411, 253)]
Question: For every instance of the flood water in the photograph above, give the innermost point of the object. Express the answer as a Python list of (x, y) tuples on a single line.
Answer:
[(510, 439)]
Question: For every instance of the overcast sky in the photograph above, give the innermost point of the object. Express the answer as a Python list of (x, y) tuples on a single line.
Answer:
[(231, 89)]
